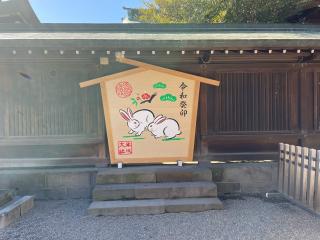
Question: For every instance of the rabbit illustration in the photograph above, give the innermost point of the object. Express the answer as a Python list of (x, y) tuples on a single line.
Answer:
[(138, 121), (164, 127)]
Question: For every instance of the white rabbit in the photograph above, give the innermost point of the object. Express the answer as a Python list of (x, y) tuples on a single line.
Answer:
[(138, 121), (164, 127)]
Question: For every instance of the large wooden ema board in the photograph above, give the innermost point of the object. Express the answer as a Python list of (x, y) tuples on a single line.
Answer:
[(150, 114)]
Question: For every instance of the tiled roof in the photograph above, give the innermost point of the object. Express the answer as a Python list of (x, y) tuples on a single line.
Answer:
[(17, 12), (163, 36)]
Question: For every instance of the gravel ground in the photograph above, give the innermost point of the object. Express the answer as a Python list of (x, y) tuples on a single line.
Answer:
[(249, 218)]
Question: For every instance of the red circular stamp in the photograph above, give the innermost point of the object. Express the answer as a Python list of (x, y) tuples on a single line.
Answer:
[(123, 89)]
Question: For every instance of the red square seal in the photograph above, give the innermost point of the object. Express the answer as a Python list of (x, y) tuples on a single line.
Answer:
[(124, 147)]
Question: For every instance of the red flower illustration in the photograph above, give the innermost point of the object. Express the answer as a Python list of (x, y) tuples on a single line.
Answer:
[(145, 96)]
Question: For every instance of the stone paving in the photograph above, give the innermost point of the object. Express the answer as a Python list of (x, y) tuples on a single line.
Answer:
[(247, 218)]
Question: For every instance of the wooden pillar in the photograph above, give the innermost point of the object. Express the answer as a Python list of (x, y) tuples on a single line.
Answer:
[(203, 120), (307, 101)]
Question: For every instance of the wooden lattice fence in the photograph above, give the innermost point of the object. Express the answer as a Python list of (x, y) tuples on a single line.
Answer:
[(299, 175)]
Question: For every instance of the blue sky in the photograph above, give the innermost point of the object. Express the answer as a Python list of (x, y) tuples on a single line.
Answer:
[(82, 11)]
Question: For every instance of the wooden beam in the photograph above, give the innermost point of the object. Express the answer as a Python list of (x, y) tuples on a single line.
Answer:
[(110, 77), (120, 58)]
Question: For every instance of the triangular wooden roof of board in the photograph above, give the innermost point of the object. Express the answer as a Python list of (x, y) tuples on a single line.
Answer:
[(141, 67)]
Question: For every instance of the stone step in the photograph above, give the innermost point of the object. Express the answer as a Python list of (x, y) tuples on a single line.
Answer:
[(5, 197), (15, 209), (154, 190), (153, 174), (153, 206)]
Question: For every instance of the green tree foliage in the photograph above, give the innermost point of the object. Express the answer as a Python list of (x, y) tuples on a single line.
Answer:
[(260, 11), (182, 11), (215, 11)]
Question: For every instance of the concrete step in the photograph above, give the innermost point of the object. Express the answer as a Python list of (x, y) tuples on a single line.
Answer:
[(15, 209), (153, 174), (154, 190), (153, 206), (228, 189), (5, 197)]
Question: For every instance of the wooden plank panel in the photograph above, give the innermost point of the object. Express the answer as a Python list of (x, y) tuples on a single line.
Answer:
[(49, 101), (317, 100), (285, 169), (316, 198), (49, 151), (307, 100), (252, 101), (295, 172), (203, 109), (292, 166), (281, 166), (289, 170), (308, 187), (293, 99), (312, 177), (302, 170)]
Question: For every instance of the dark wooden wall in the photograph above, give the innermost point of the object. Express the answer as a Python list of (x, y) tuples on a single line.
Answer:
[(47, 120), (256, 107)]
